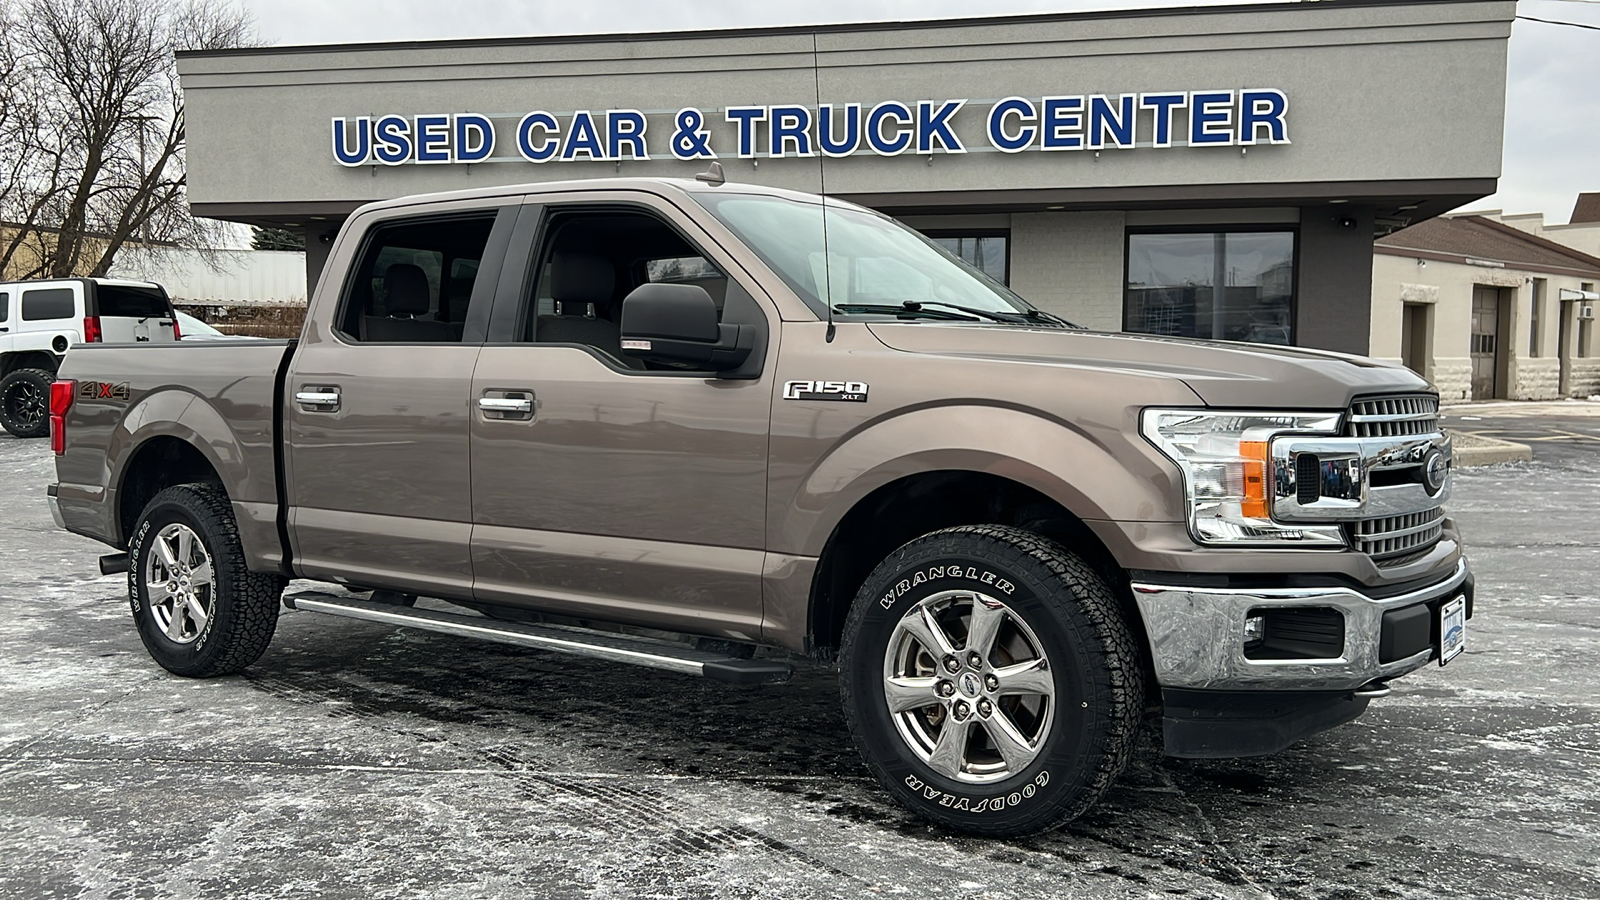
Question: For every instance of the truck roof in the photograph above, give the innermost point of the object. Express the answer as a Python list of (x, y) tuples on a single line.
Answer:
[(660, 186)]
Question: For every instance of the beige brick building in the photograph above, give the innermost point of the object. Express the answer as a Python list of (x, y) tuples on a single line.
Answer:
[(1490, 306)]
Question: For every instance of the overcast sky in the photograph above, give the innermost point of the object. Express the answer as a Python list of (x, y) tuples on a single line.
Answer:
[(1553, 94)]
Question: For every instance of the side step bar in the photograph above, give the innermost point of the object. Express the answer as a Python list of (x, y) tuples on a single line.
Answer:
[(559, 638)]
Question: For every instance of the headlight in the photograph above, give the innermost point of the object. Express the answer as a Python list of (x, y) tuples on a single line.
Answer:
[(1227, 473)]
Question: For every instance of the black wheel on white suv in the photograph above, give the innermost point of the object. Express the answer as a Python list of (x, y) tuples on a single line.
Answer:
[(25, 403), (990, 681), (199, 610)]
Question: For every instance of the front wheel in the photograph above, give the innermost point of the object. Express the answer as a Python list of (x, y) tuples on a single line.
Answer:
[(990, 681), (25, 403), (199, 610)]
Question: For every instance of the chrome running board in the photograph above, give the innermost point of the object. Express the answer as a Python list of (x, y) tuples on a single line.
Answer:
[(559, 638)]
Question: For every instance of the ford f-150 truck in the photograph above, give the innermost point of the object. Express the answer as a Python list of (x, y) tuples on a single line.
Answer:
[(673, 423)]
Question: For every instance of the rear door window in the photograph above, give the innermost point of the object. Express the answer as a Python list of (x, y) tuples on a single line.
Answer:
[(5, 305), (415, 281), (48, 303), (125, 302)]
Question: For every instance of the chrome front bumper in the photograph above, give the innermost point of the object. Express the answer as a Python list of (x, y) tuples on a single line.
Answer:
[(1197, 636)]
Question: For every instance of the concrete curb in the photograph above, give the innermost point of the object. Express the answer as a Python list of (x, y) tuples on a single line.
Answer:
[(1477, 450)]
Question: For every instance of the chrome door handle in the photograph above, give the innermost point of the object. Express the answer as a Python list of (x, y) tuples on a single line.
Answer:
[(507, 405), (317, 400)]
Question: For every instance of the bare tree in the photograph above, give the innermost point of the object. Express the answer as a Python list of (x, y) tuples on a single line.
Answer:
[(99, 96)]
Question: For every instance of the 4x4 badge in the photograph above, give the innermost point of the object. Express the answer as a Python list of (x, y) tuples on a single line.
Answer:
[(854, 391), (101, 390)]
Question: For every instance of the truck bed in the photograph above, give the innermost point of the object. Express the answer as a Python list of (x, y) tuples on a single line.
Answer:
[(218, 396)]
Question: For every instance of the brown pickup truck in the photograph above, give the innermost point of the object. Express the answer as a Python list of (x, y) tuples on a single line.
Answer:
[(705, 427)]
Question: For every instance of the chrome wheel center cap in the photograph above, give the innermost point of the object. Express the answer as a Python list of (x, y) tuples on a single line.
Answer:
[(970, 684)]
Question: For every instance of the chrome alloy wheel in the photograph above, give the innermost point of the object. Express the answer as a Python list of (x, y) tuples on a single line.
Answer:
[(179, 583), (969, 686)]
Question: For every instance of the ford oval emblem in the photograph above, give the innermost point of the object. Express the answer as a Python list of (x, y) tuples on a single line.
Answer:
[(1435, 472)]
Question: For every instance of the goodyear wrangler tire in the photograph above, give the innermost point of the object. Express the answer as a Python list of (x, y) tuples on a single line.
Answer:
[(199, 611), (990, 681)]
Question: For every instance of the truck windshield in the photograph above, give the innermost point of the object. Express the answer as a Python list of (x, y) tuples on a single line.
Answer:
[(874, 265)]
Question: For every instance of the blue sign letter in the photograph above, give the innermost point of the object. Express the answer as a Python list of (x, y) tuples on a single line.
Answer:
[(1211, 118), (1263, 109), (1105, 119), (625, 127), (582, 137), (342, 151), (787, 124), (1162, 105), (1060, 115), (433, 139), (1025, 113), (546, 148), (392, 139), (474, 137), (852, 130), (747, 117), (933, 126), (901, 114)]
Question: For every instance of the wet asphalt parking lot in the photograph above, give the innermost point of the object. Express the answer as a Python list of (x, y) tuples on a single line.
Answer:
[(356, 760)]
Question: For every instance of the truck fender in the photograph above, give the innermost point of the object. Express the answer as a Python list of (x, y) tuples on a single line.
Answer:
[(180, 414), (1075, 466)]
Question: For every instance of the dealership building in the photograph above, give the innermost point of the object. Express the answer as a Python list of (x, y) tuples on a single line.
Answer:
[(1212, 172)]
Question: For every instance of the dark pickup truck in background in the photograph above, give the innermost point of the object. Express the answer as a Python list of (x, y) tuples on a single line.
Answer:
[(668, 423)]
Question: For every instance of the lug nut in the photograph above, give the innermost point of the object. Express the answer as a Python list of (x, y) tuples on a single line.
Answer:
[(946, 689), (974, 660), (991, 682), (985, 708), (962, 709), (951, 664)]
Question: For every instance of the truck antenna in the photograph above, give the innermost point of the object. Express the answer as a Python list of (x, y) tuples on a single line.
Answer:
[(713, 175), (822, 184)]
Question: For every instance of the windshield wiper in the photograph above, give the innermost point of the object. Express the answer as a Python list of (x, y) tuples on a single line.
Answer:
[(909, 308), (1039, 315), (991, 315)]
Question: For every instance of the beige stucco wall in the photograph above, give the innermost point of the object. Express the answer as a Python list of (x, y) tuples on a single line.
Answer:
[(1447, 288), (1071, 263)]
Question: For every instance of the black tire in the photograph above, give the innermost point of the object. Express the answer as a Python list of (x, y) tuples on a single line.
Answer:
[(1098, 681), (25, 403), (243, 605)]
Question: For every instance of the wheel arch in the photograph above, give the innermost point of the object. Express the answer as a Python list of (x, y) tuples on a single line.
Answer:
[(29, 359), (168, 437), (914, 505)]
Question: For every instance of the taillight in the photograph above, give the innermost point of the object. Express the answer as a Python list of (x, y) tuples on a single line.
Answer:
[(61, 394), (177, 335), (91, 329)]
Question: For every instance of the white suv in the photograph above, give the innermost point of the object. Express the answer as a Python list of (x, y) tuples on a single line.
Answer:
[(39, 320)]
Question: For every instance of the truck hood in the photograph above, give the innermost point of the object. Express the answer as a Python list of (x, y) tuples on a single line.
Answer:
[(1222, 373)]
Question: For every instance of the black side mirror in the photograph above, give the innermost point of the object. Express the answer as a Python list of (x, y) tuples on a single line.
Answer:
[(677, 324)]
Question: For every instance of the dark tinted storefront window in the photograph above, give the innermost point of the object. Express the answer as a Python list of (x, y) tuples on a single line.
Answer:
[(1232, 286), (985, 252)]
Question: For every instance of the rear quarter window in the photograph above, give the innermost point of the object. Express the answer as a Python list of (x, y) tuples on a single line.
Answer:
[(131, 302), (48, 303)]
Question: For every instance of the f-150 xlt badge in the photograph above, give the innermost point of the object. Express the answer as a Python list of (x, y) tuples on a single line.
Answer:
[(855, 391)]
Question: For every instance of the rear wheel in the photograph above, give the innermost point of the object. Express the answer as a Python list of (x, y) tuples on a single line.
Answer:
[(199, 610), (990, 681), (25, 403)]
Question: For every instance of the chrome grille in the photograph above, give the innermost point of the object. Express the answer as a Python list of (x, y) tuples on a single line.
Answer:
[(1390, 538), (1394, 416)]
